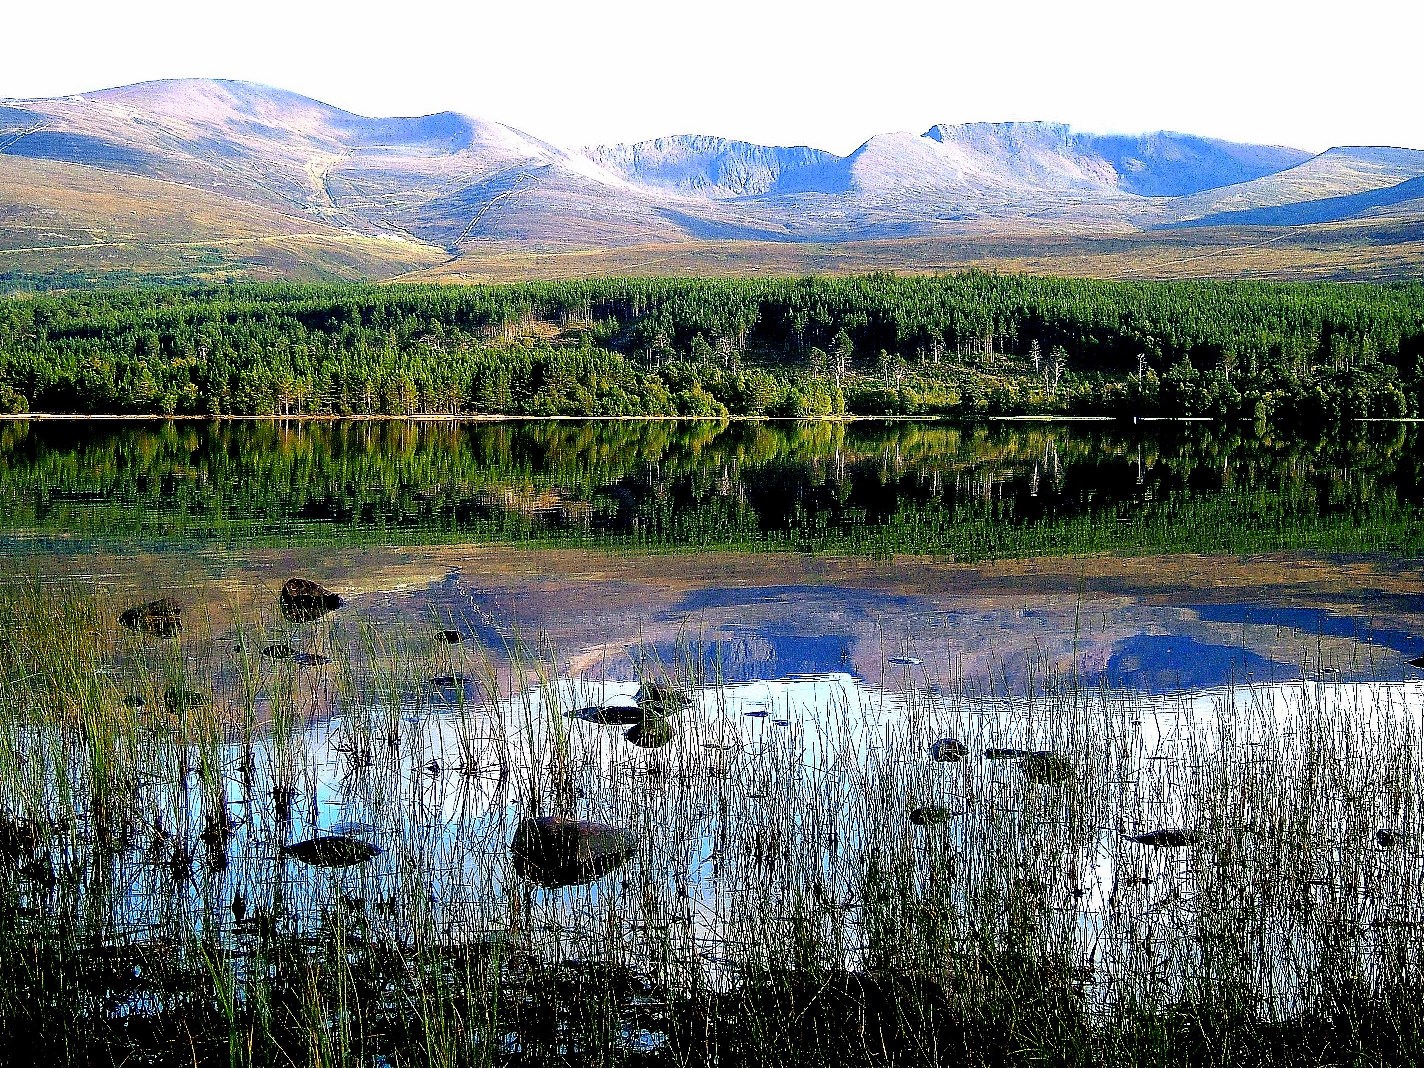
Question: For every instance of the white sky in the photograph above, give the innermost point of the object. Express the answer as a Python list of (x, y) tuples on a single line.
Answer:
[(800, 72)]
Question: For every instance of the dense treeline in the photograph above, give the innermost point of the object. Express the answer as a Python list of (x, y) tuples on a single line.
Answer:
[(968, 344)]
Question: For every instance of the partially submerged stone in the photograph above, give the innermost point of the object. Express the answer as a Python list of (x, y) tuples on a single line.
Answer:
[(333, 851), (296, 656), (1166, 838), (179, 700), (651, 733), (155, 619), (554, 851), (620, 715), (1046, 769), (948, 750), (660, 697), (930, 815), (304, 601)]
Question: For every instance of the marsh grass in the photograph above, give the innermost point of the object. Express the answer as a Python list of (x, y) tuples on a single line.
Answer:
[(782, 907)]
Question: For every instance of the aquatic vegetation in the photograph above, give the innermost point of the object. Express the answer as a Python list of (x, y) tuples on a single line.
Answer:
[(383, 877)]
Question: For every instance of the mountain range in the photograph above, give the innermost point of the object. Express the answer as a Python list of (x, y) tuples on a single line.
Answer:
[(218, 178)]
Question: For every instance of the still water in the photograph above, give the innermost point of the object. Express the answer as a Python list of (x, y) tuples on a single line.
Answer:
[(876, 694)]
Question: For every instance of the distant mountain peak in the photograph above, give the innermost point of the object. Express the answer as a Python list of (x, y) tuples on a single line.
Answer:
[(448, 180)]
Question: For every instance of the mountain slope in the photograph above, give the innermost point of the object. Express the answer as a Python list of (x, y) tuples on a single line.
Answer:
[(222, 173)]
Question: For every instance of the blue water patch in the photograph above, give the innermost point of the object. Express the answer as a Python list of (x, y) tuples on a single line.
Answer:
[(1311, 622), (763, 654), (1166, 663)]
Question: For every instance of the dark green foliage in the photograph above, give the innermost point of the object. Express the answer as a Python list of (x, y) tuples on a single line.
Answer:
[(1003, 490), (970, 344)]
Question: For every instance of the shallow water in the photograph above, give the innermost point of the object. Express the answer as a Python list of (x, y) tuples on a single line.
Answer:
[(1262, 702)]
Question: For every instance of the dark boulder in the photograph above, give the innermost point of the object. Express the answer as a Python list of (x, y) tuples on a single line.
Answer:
[(948, 750), (1166, 838), (930, 815), (178, 700), (652, 732), (156, 619), (296, 656), (332, 851), (621, 715), (1046, 769), (304, 601), (554, 851), (659, 697)]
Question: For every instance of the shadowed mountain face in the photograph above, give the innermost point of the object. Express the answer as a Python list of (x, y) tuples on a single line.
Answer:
[(230, 164)]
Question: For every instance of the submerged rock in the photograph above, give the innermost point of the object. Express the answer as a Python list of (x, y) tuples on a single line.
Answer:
[(1046, 769), (156, 619), (554, 851), (1387, 839), (929, 815), (178, 700), (296, 656), (948, 750), (304, 601), (332, 851), (1166, 838), (456, 688)]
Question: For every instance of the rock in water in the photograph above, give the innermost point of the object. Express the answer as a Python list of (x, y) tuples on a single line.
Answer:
[(296, 656), (948, 750), (1386, 839), (332, 851), (157, 619), (554, 851), (1417, 662), (652, 732), (178, 700), (657, 697), (1046, 769), (451, 637), (304, 601), (929, 815), (1166, 838), (622, 715)]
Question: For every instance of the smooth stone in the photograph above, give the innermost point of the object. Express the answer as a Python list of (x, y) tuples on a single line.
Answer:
[(332, 851), (554, 851)]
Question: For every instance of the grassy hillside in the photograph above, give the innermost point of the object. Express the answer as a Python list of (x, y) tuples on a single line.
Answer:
[(60, 217)]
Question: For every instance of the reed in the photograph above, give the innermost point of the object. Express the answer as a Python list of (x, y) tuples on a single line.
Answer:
[(807, 885)]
